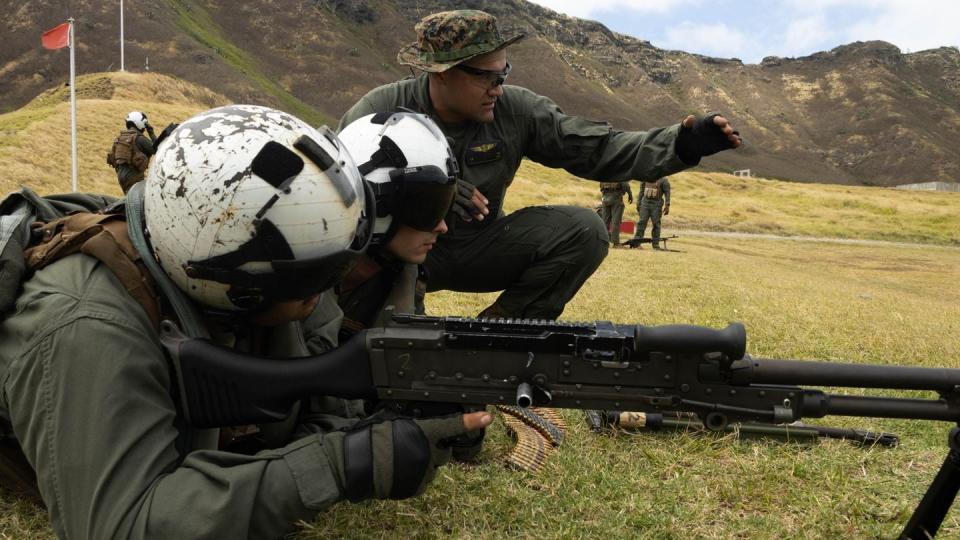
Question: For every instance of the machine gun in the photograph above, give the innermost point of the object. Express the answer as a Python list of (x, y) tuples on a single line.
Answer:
[(421, 366), (636, 242)]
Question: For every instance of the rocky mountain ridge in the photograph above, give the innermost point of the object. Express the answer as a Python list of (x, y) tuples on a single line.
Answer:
[(861, 113)]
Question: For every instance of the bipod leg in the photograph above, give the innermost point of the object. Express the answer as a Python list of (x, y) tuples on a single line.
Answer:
[(938, 499)]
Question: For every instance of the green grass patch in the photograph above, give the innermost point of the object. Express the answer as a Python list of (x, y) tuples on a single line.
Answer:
[(12, 123), (198, 24)]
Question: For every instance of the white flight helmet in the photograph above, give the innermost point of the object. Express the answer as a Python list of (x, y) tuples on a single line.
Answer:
[(246, 205), (138, 119), (409, 165)]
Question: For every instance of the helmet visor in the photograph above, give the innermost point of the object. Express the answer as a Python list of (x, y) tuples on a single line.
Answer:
[(424, 197)]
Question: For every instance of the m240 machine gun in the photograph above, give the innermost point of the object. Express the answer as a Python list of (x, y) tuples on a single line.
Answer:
[(422, 365), (638, 242)]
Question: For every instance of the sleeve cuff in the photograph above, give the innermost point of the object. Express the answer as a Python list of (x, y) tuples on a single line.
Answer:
[(315, 479)]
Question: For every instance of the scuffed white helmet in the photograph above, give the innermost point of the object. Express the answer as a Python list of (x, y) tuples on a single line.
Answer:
[(409, 166), (138, 119), (247, 205)]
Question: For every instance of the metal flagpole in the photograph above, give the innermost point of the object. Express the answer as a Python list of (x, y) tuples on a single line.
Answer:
[(73, 106), (121, 36)]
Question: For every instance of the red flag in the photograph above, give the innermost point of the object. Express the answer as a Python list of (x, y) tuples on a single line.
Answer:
[(56, 38)]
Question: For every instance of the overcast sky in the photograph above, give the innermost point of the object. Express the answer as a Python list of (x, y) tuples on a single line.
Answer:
[(750, 30)]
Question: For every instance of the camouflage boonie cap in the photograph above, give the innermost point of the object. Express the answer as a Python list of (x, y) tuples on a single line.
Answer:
[(448, 38)]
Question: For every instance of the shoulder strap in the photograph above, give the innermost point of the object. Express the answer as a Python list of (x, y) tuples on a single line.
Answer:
[(103, 236), (18, 211)]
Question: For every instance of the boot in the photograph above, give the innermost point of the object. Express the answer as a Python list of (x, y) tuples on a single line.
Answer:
[(493, 311)]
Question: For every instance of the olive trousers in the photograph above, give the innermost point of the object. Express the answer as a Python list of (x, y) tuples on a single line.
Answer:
[(538, 256)]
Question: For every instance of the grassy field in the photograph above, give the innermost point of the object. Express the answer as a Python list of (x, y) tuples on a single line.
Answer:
[(798, 300), (806, 300), (722, 202)]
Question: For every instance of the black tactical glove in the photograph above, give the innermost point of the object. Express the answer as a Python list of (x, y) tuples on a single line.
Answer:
[(463, 203), (704, 138), (165, 133), (465, 448), (396, 459)]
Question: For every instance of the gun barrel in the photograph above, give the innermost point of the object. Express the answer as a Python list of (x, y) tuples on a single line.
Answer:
[(806, 372), (817, 405)]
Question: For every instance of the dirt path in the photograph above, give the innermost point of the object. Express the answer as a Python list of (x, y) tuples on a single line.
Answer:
[(855, 241)]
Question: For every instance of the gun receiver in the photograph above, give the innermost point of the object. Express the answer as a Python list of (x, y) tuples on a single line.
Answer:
[(599, 365), (417, 361)]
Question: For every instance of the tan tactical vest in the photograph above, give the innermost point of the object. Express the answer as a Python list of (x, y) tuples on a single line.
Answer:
[(103, 236), (651, 190), (610, 186), (126, 152)]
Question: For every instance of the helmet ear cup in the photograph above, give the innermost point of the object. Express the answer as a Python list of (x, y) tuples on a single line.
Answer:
[(240, 215)]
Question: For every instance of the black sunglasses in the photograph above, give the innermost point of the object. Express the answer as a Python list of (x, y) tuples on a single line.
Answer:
[(492, 79)]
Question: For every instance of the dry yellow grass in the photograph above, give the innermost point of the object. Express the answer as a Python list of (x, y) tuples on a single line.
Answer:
[(35, 141), (722, 202), (810, 300)]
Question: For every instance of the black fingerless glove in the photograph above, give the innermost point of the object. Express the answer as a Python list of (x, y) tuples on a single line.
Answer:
[(164, 134), (396, 459), (463, 202), (703, 139)]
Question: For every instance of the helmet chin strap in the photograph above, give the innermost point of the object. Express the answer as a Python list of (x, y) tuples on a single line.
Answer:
[(382, 240)]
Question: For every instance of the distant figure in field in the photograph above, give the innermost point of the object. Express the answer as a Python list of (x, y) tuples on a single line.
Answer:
[(611, 211), (654, 202), (131, 150)]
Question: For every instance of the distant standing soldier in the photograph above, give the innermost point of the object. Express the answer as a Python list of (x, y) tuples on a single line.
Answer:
[(131, 150), (654, 203), (612, 209)]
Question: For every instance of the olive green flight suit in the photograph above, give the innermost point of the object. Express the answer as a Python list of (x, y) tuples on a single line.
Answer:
[(611, 209), (651, 209), (538, 256), (86, 390)]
